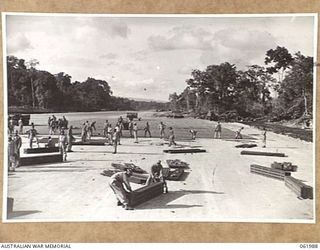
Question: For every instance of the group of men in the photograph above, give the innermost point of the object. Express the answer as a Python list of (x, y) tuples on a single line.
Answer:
[(55, 124), (11, 126), (87, 130)]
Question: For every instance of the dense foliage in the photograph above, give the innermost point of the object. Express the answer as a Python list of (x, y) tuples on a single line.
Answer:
[(282, 89), (29, 87)]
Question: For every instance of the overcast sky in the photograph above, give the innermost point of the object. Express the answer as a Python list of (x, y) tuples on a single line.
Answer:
[(150, 57)]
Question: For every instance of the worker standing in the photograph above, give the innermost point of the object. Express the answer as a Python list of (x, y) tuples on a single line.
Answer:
[(162, 130), (32, 133), (135, 132), (63, 145), (264, 138), (109, 134), (20, 125), (217, 131), (11, 126), (171, 137), (120, 185), (147, 130), (117, 128), (17, 145), (84, 132), (156, 175), (11, 154), (116, 139), (130, 126), (70, 139), (105, 129)]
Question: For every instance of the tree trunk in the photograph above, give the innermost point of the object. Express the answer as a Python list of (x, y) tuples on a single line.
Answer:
[(32, 93), (305, 102)]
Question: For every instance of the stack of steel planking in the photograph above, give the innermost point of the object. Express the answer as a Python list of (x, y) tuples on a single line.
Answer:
[(41, 150), (145, 193), (302, 190), (269, 172), (282, 171), (40, 159)]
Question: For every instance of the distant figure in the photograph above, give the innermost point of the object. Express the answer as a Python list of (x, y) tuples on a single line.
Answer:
[(130, 126), (11, 155), (162, 130), (64, 122), (156, 175), (63, 145), (171, 137), (120, 185), (32, 133), (109, 134), (120, 124), (193, 134), (105, 129), (52, 125), (238, 133), (117, 128), (49, 122), (11, 126), (70, 139), (264, 138), (84, 132), (20, 125), (217, 131), (91, 128), (50, 143), (17, 145), (147, 130), (116, 140), (135, 132)]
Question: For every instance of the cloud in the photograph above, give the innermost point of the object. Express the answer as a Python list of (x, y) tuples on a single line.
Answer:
[(112, 27), (109, 56), (240, 47), (18, 43), (248, 40), (182, 37), (185, 70)]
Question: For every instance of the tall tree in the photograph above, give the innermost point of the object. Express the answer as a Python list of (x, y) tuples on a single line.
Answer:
[(297, 87), (281, 60), (31, 66)]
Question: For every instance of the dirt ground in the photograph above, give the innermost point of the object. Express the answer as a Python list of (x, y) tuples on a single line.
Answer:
[(217, 186)]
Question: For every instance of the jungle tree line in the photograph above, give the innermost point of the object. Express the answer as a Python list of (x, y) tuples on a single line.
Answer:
[(39, 89), (281, 88)]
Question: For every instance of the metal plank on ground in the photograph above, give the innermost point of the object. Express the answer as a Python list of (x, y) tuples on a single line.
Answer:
[(41, 159), (41, 150), (245, 152)]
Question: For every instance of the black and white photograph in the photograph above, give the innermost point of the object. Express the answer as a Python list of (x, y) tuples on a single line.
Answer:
[(131, 117)]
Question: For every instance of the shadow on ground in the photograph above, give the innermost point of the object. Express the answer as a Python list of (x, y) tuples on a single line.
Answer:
[(162, 202)]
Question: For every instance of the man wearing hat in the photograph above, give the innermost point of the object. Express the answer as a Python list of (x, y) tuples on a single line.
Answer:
[(120, 185), (156, 175)]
